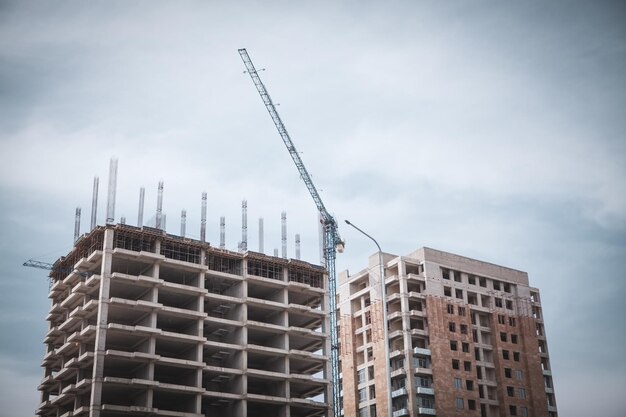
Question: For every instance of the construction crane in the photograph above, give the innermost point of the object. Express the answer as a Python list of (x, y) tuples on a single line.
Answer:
[(50, 267), (332, 242)]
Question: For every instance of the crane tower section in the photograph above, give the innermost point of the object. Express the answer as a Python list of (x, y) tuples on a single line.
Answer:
[(331, 240)]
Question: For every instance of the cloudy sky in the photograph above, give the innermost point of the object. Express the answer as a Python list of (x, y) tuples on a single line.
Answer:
[(494, 130)]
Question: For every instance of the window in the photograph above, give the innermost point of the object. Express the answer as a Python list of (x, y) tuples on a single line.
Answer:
[(503, 336), (453, 345), (372, 392), (368, 317), (521, 393), (498, 302), (509, 304), (519, 375), (469, 385), (362, 395), (475, 335), (455, 364), (450, 309), (361, 376), (472, 298), (461, 311), (507, 287), (458, 294), (505, 354), (457, 276), (512, 321), (421, 363), (465, 347), (471, 404), (467, 366), (424, 382), (501, 319), (370, 353), (445, 273), (510, 391), (457, 383), (471, 279), (516, 356), (425, 402), (477, 354), (459, 403), (363, 412), (447, 291), (523, 411), (512, 410), (514, 338), (463, 328), (452, 326), (507, 372), (496, 285), (482, 282)]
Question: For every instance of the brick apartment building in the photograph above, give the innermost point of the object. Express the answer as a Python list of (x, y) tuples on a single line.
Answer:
[(465, 338)]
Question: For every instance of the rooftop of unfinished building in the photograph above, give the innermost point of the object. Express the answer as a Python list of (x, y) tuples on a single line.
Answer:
[(449, 260), (93, 240)]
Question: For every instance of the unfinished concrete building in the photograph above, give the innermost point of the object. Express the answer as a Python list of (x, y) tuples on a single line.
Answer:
[(466, 338), (143, 323)]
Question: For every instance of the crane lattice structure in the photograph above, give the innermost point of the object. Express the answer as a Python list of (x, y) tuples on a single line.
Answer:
[(332, 241), (50, 267)]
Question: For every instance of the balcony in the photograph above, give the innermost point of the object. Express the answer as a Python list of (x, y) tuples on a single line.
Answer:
[(411, 276), (547, 372), (421, 351), (425, 391), (426, 411), (398, 393), (398, 372), (395, 353), (422, 371), (401, 412)]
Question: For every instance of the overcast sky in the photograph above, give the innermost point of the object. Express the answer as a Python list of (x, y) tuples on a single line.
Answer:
[(495, 130)]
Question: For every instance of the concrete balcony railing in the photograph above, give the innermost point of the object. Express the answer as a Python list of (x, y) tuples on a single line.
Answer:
[(417, 295), (421, 351), (398, 393), (416, 277), (425, 391), (401, 412), (398, 372), (427, 411), (395, 353), (423, 371), (395, 315), (547, 372)]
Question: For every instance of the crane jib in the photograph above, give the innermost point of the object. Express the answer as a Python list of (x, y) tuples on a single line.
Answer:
[(331, 234)]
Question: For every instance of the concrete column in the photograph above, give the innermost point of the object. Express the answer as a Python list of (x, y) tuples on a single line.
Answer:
[(103, 311)]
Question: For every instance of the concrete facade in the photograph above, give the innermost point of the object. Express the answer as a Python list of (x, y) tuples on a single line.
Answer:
[(144, 323), (466, 338)]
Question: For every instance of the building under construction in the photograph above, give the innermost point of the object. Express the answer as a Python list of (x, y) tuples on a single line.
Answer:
[(147, 323), (464, 338)]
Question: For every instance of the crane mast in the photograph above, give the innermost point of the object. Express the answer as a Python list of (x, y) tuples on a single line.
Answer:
[(331, 239)]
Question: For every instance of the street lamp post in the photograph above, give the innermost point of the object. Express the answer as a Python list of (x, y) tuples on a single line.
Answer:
[(383, 289)]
